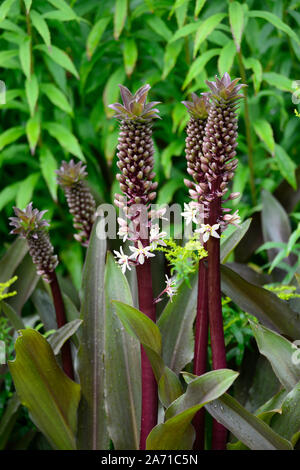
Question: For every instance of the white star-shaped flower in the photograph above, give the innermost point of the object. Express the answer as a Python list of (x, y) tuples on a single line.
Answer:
[(140, 252), (171, 288), (208, 231), (123, 260), (191, 211), (156, 237)]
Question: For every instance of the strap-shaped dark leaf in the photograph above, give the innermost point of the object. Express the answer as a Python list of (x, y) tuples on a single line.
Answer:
[(263, 304), (48, 393)]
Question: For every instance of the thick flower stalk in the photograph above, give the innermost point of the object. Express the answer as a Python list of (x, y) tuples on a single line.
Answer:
[(29, 224), (197, 167), (219, 144), (81, 203), (135, 161)]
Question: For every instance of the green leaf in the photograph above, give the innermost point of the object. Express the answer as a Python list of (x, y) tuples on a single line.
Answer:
[(111, 90), (251, 430), (265, 132), (12, 258), (60, 58), (33, 130), (279, 352), (11, 135), (130, 54), (140, 326), (172, 52), (26, 188), (198, 7), (48, 166), (8, 194), (169, 387), (175, 148), (32, 92), (160, 27), (123, 381), (12, 315), (7, 59), (65, 138), (146, 331), (263, 304), (286, 166), (226, 57), (5, 7), (287, 422), (206, 28), (63, 8), (167, 191), (28, 5), (92, 424), (50, 396), (186, 30), (228, 244), (56, 97), (8, 419), (121, 7), (25, 56), (176, 326), (236, 20), (95, 35), (24, 285), (58, 339), (176, 433), (41, 26), (275, 21), (255, 65), (199, 64), (278, 81)]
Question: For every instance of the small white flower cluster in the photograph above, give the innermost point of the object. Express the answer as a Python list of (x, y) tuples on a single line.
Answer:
[(170, 290), (139, 251)]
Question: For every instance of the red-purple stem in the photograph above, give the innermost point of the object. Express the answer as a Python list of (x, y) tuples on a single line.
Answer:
[(149, 385), (219, 435), (61, 320), (200, 352)]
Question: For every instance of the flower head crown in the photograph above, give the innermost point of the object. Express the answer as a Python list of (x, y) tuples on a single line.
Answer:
[(27, 221), (199, 106), (134, 107), (224, 90), (70, 173)]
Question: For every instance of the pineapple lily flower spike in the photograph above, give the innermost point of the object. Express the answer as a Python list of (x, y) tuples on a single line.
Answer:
[(29, 224), (82, 206), (135, 161), (219, 144), (210, 152)]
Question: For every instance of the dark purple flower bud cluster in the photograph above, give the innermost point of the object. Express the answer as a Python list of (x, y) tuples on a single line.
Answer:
[(135, 147), (196, 163), (211, 158), (80, 201), (28, 224)]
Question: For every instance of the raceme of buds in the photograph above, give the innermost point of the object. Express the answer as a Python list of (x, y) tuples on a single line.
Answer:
[(220, 139), (135, 147), (135, 161), (196, 164), (28, 224), (81, 203)]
